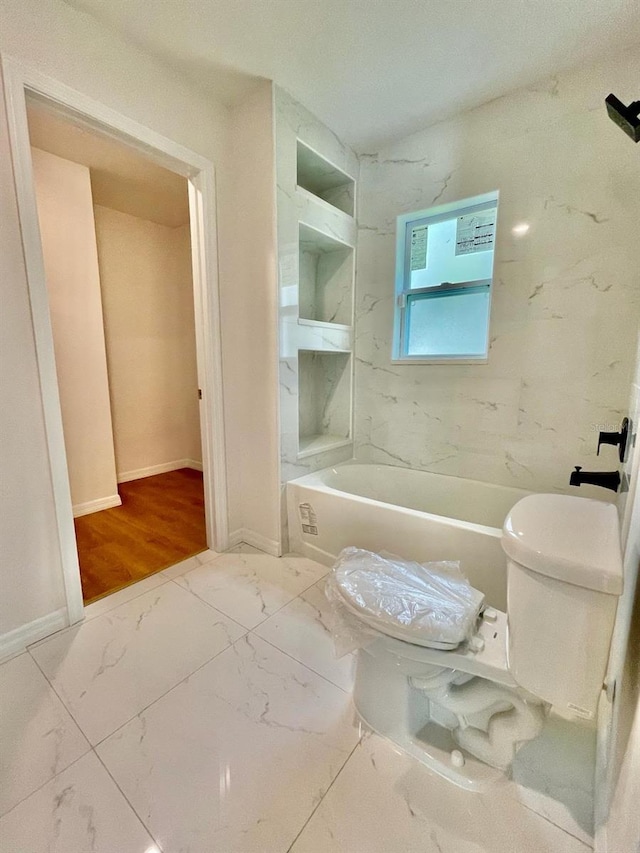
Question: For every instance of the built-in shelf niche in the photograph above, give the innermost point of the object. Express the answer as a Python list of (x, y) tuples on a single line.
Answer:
[(324, 180), (324, 400), (325, 292)]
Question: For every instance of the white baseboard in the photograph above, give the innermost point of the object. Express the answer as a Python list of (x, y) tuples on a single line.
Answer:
[(256, 540), (163, 468), (312, 552), (16, 641), (95, 506)]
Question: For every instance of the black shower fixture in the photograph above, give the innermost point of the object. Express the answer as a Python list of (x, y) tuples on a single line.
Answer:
[(628, 118)]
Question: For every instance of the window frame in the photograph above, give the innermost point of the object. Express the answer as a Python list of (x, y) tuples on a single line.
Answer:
[(404, 225)]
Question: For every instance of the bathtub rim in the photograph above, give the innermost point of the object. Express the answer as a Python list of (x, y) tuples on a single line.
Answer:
[(315, 482)]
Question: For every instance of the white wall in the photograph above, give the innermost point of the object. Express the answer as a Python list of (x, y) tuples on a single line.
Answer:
[(30, 570), (622, 829), (65, 213), (565, 302), (72, 48), (249, 330), (147, 297), (618, 828)]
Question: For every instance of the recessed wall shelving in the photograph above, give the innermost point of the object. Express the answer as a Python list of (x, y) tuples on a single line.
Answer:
[(324, 180), (325, 278), (324, 406), (317, 237)]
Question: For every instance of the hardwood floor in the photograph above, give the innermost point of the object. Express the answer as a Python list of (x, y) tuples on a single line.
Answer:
[(161, 521)]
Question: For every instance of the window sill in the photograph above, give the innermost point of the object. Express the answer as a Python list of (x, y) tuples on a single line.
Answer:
[(452, 360)]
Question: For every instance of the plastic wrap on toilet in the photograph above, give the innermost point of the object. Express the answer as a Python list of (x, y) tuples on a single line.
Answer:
[(428, 604)]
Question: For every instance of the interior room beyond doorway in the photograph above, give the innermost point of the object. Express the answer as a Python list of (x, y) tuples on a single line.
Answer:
[(116, 246)]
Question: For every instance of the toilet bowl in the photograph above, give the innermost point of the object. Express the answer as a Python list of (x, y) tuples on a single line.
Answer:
[(465, 711)]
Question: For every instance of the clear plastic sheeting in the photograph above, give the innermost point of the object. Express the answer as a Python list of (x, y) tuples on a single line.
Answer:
[(432, 604)]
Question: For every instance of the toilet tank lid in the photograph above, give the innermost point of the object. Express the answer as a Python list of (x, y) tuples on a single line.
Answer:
[(572, 539)]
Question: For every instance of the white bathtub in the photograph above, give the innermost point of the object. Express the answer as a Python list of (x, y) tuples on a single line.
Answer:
[(415, 514)]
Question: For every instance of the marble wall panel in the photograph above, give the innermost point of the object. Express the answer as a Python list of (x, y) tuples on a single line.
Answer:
[(566, 296)]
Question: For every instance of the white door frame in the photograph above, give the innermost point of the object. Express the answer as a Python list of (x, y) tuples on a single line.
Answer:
[(20, 80)]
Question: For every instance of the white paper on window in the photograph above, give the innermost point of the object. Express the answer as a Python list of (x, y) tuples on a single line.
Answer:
[(419, 247), (476, 232)]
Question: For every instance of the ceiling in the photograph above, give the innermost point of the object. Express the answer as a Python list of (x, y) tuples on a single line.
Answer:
[(374, 70), (121, 178)]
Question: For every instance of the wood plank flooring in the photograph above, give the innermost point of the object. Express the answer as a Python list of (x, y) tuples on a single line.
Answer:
[(161, 521)]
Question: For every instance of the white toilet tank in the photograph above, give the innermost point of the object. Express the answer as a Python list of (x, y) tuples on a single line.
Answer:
[(563, 584)]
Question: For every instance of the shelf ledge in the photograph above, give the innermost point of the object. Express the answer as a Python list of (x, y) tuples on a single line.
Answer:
[(310, 445), (323, 324)]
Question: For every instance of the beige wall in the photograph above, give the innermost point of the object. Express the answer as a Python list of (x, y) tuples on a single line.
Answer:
[(65, 213), (73, 49), (147, 295)]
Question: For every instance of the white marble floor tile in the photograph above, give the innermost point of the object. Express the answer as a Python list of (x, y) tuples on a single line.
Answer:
[(250, 586), (110, 602), (302, 630), (208, 555), (183, 566), (236, 757), (110, 668), (554, 776), (384, 801), (80, 811), (38, 737)]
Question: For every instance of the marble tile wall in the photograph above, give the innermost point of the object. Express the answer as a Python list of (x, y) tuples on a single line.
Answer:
[(324, 406), (566, 298)]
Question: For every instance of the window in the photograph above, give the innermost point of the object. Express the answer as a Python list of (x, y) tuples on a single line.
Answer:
[(444, 271)]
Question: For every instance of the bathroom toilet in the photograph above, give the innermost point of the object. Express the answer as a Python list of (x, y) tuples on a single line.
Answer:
[(465, 711)]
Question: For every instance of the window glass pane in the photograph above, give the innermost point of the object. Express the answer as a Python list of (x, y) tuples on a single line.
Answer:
[(441, 262), (450, 323)]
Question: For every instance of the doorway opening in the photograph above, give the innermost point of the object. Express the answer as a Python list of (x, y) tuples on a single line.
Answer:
[(115, 236), (173, 503)]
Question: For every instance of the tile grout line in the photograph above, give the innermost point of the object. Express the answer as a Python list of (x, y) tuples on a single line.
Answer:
[(92, 748), (252, 631), (322, 798), (116, 606), (47, 782), (244, 636), (166, 580), (60, 699), (28, 650), (586, 845), (282, 606), (301, 663), (146, 707), (129, 803), (169, 690), (211, 607)]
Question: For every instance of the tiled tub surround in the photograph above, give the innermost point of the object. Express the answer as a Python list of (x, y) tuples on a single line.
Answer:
[(239, 736), (566, 300)]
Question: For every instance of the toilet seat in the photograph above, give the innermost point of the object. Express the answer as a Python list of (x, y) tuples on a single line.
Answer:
[(406, 601), (485, 655), (391, 628)]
